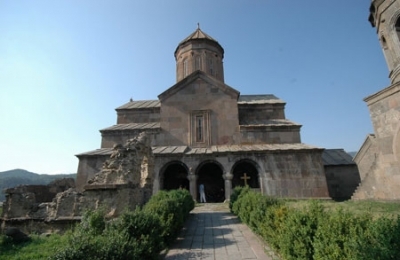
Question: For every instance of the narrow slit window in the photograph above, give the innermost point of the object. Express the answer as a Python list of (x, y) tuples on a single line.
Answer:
[(197, 63), (185, 68), (199, 128)]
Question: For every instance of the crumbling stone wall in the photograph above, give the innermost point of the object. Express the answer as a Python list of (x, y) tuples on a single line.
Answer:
[(125, 181), (25, 201)]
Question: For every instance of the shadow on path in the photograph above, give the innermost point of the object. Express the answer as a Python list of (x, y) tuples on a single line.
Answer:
[(212, 232)]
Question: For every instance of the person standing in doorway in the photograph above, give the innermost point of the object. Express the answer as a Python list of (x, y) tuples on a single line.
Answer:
[(202, 193)]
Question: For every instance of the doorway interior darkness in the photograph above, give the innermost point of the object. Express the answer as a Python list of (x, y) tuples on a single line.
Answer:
[(210, 174), (175, 177), (245, 170)]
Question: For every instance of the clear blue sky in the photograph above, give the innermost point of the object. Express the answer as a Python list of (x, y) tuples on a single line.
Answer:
[(66, 65)]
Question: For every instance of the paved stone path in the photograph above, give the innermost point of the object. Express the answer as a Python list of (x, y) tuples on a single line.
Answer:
[(212, 232)]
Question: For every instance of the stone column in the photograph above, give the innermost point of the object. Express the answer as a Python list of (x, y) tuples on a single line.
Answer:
[(192, 183), (228, 185), (261, 180), (156, 180)]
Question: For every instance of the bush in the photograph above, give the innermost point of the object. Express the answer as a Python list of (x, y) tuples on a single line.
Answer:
[(235, 203), (235, 196), (337, 235), (313, 233), (271, 226), (140, 234), (172, 208), (296, 237), (381, 240)]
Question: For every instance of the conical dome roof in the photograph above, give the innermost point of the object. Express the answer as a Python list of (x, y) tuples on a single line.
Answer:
[(199, 35)]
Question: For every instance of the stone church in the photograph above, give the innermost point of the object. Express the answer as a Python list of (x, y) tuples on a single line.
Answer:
[(204, 131), (378, 159)]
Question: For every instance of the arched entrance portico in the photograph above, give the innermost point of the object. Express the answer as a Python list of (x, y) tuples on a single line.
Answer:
[(245, 173), (210, 174), (174, 176)]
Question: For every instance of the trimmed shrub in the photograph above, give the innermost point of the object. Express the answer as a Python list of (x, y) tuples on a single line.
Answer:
[(140, 234), (381, 240), (313, 233), (270, 227), (234, 197), (235, 203), (339, 234)]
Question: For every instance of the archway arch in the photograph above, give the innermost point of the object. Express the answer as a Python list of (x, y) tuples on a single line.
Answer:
[(174, 176), (397, 28), (245, 172), (210, 175)]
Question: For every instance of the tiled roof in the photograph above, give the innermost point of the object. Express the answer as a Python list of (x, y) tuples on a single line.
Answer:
[(132, 126), (101, 151), (336, 157), (215, 149), (265, 122), (140, 104), (259, 99), (243, 99)]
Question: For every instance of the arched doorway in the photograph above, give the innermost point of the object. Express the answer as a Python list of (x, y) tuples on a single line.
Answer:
[(245, 173), (175, 176), (210, 175)]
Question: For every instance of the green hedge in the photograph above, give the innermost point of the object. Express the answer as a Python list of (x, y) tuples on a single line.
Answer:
[(315, 233), (140, 234)]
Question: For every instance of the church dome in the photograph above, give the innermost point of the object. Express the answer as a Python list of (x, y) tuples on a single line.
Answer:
[(199, 35), (199, 51)]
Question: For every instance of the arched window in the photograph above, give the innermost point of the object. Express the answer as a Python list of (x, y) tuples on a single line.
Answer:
[(397, 27)]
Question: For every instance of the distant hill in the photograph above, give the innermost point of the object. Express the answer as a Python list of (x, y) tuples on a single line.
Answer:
[(13, 178)]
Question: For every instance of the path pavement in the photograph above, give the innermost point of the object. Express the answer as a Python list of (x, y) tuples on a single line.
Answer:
[(212, 232)]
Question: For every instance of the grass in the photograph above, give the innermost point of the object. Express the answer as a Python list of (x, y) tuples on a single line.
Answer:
[(375, 208), (37, 248)]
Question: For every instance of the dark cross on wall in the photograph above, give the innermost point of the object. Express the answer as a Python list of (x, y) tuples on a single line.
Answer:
[(245, 178)]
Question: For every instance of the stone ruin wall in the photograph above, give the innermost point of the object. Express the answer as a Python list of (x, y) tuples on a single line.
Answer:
[(124, 182), (379, 158)]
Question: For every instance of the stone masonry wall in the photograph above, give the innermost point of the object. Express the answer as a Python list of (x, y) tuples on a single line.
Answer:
[(382, 179), (261, 112), (110, 138), (127, 116), (199, 95), (260, 135), (295, 175)]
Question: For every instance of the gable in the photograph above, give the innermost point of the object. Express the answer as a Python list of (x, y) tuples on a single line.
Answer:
[(185, 85)]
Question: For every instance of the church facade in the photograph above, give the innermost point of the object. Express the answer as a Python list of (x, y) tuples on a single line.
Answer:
[(379, 157), (204, 131)]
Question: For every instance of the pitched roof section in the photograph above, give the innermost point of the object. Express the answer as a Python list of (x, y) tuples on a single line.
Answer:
[(243, 99), (140, 104), (336, 157), (194, 76), (132, 126), (97, 152), (274, 122), (260, 99), (215, 149)]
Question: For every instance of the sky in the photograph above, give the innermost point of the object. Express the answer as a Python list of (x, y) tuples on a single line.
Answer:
[(66, 65)]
